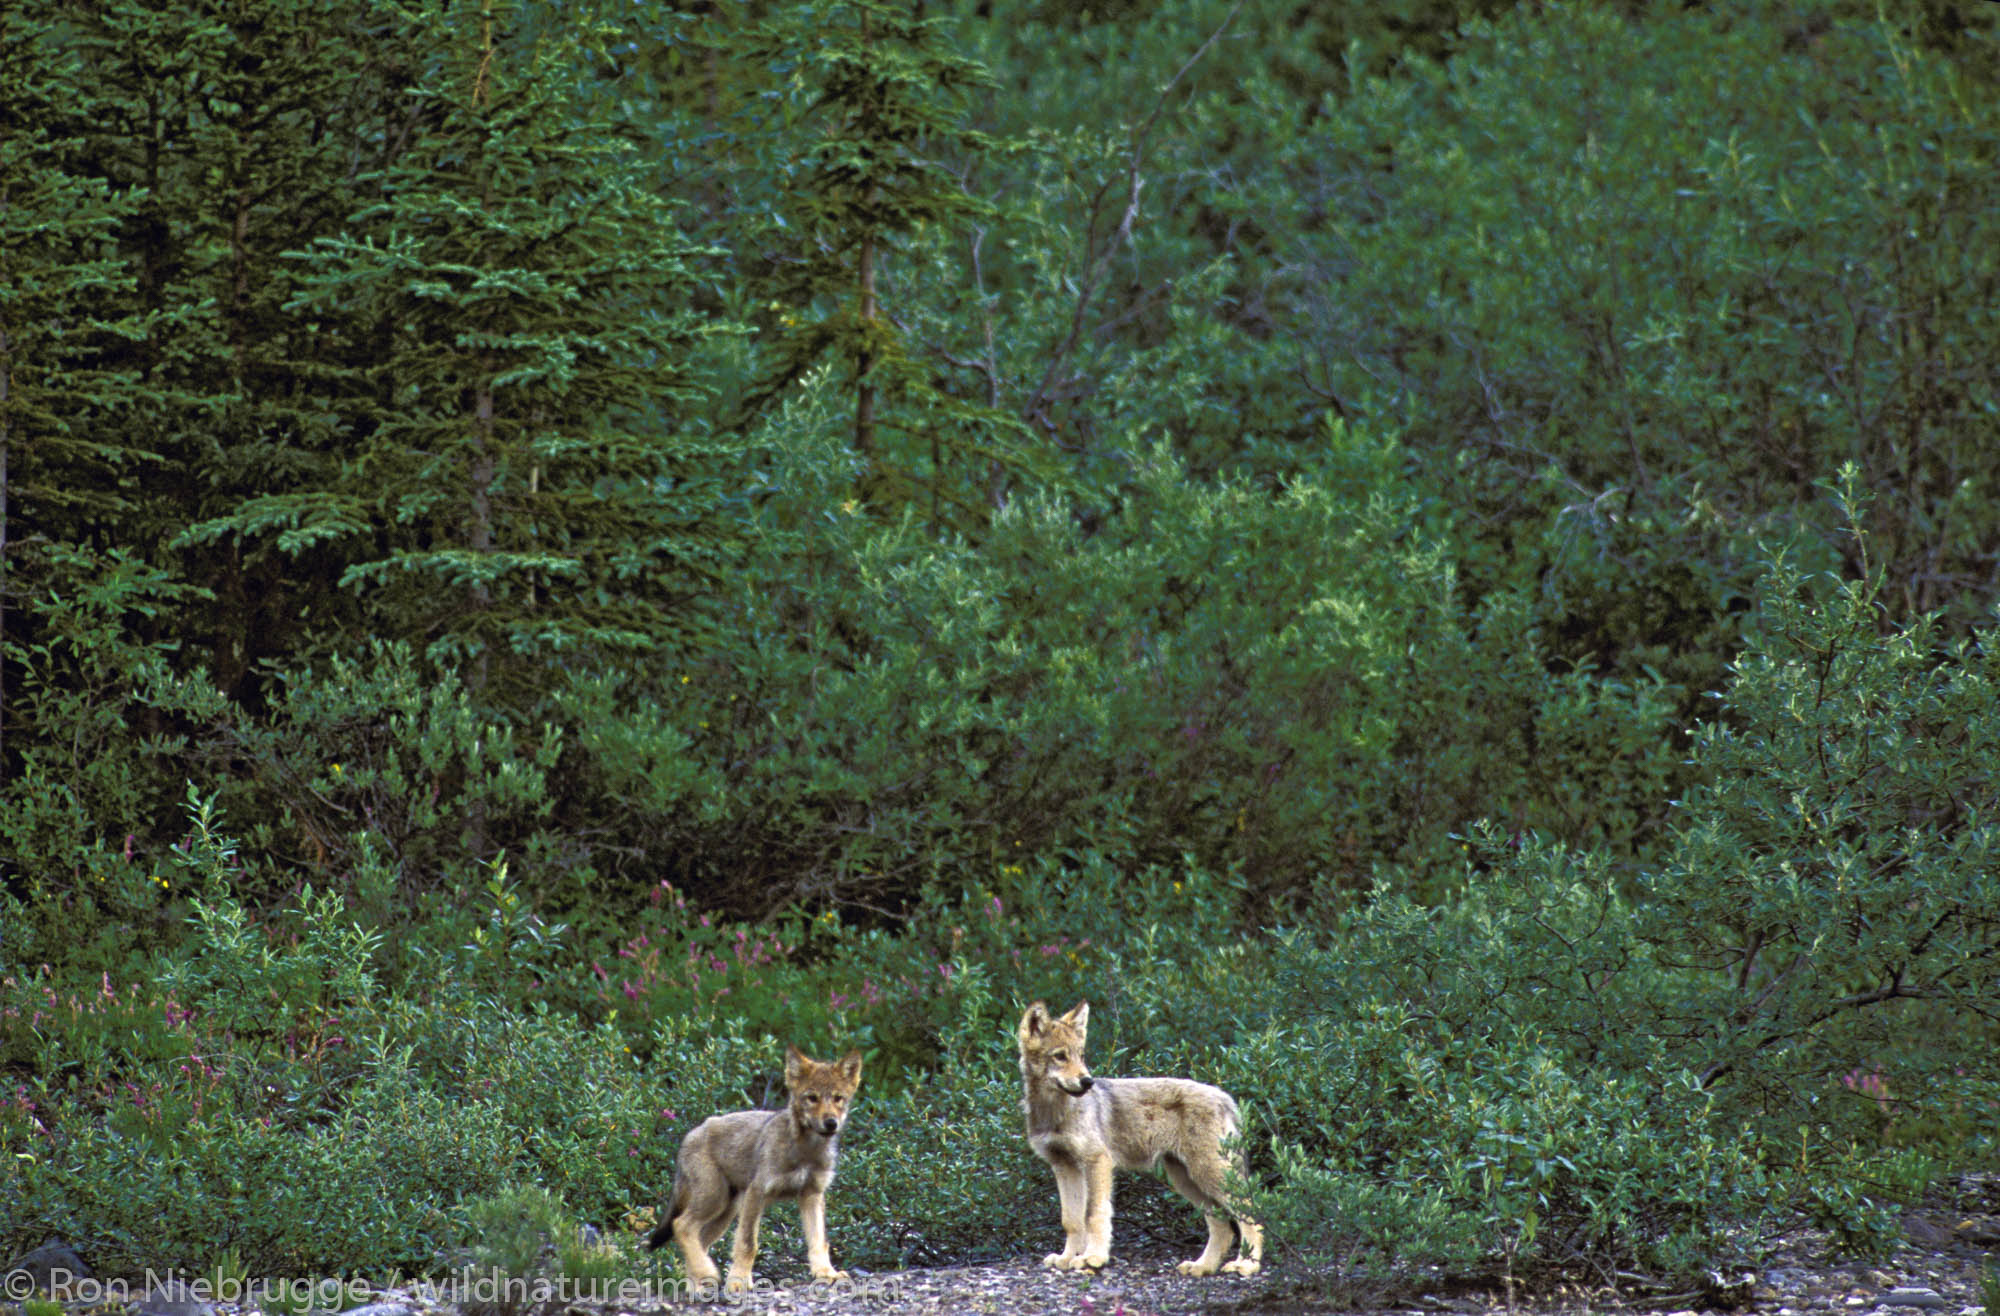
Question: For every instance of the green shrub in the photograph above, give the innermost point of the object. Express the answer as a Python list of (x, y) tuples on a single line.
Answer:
[(516, 1232), (1857, 1224), (1827, 908), (1649, 274), (88, 809), (366, 1190), (233, 974), (378, 767), (1051, 926), (1460, 1126), (1278, 683)]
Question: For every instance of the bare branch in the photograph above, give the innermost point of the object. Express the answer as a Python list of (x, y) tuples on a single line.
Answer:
[(1035, 410)]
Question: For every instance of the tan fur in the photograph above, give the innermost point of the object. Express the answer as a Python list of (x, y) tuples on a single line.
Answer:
[(1083, 1126), (735, 1164)]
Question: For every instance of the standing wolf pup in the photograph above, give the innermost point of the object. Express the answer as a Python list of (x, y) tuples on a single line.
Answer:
[(1083, 1126), (742, 1161)]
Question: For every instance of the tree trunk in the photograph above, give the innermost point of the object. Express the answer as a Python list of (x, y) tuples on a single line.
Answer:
[(6, 372), (479, 537), (864, 361), (864, 400)]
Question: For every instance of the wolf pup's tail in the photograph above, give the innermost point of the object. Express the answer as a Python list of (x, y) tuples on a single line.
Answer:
[(663, 1232)]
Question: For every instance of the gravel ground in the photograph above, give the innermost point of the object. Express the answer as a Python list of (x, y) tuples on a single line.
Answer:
[(1952, 1252), (1953, 1242), (1796, 1280)]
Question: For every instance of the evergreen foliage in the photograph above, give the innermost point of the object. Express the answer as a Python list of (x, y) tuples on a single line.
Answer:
[(65, 302), (877, 94), (517, 484)]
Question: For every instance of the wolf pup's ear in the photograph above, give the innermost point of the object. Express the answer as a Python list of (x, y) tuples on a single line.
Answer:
[(796, 1065), (850, 1066), (1035, 1022), (1079, 1018)]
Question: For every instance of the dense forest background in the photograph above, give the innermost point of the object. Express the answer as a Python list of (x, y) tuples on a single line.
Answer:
[(1434, 558)]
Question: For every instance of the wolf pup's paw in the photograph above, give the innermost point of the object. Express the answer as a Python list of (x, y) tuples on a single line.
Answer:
[(1195, 1267), (830, 1275), (1061, 1261), (1093, 1260), (1241, 1266)]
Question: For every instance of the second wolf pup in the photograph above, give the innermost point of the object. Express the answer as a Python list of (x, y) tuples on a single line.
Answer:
[(736, 1163), (1083, 1126)]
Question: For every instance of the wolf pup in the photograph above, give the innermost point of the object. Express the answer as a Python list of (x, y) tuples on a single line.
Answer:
[(1083, 1126), (736, 1163)]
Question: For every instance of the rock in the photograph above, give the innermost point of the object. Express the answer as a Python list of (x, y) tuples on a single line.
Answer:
[(51, 1266), (1911, 1297), (1985, 1233), (382, 1309), (1926, 1233)]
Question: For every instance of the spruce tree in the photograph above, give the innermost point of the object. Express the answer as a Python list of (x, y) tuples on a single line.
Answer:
[(519, 493), (877, 101), (238, 132), (66, 460)]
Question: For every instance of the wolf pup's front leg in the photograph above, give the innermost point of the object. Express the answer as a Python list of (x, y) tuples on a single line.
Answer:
[(812, 1219), (1070, 1187)]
